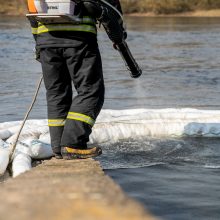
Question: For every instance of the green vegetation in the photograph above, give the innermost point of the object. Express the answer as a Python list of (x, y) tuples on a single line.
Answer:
[(168, 6), (18, 7)]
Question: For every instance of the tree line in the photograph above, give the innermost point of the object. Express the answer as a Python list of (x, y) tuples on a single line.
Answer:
[(168, 6), (132, 6)]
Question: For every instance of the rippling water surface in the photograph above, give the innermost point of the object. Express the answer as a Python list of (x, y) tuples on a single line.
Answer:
[(175, 179)]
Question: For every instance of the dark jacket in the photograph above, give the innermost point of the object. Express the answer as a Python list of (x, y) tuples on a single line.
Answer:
[(68, 35)]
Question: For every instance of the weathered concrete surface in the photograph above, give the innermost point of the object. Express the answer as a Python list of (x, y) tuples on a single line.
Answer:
[(63, 190), (4, 177)]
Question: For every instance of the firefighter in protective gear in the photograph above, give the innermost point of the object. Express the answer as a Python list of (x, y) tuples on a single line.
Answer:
[(69, 55)]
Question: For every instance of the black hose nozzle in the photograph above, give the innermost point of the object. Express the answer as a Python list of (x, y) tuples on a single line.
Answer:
[(113, 23), (130, 63)]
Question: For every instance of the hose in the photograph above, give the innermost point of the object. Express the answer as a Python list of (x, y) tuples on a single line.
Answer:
[(13, 145), (112, 21)]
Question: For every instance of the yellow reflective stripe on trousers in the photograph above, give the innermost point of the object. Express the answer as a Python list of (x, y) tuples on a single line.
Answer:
[(81, 117), (66, 27), (56, 122)]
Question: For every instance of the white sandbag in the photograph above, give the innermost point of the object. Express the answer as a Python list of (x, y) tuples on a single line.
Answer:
[(10, 124), (4, 156), (30, 125), (114, 125), (5, 134), (45, 138), (4, 160), (24, 136), (40, 150), (35, 148), (21, 163), (22, 147)]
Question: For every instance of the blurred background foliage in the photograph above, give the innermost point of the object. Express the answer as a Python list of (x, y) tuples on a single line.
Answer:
[(18, 7), (168, 6), (14, 7)]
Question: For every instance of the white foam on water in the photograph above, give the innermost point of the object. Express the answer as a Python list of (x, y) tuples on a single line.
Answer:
[(111, 127), (210, 166), (132, 166)]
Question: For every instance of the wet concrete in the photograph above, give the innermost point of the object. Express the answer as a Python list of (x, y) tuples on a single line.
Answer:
[(59, 189)]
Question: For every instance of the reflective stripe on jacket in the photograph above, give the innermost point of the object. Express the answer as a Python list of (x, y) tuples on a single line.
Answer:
[(87, 24)]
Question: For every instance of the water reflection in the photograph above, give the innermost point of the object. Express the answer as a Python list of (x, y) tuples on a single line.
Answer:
[(171, 23)]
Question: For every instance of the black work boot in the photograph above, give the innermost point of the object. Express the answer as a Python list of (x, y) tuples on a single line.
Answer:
[(57, 152), (58, 155), (71, 153)]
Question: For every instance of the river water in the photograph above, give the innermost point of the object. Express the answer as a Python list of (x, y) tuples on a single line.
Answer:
[(173, 178)]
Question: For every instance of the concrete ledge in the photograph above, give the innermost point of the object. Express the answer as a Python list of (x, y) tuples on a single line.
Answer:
[(4, 177), (59, 189)]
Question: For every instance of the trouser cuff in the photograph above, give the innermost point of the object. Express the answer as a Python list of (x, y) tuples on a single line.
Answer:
[(56, 150)]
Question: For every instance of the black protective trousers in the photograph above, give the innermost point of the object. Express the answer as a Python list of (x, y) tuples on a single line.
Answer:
[(70, 119)]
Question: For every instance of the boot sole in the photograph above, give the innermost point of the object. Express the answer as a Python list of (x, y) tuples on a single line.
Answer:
[(72, 156)]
